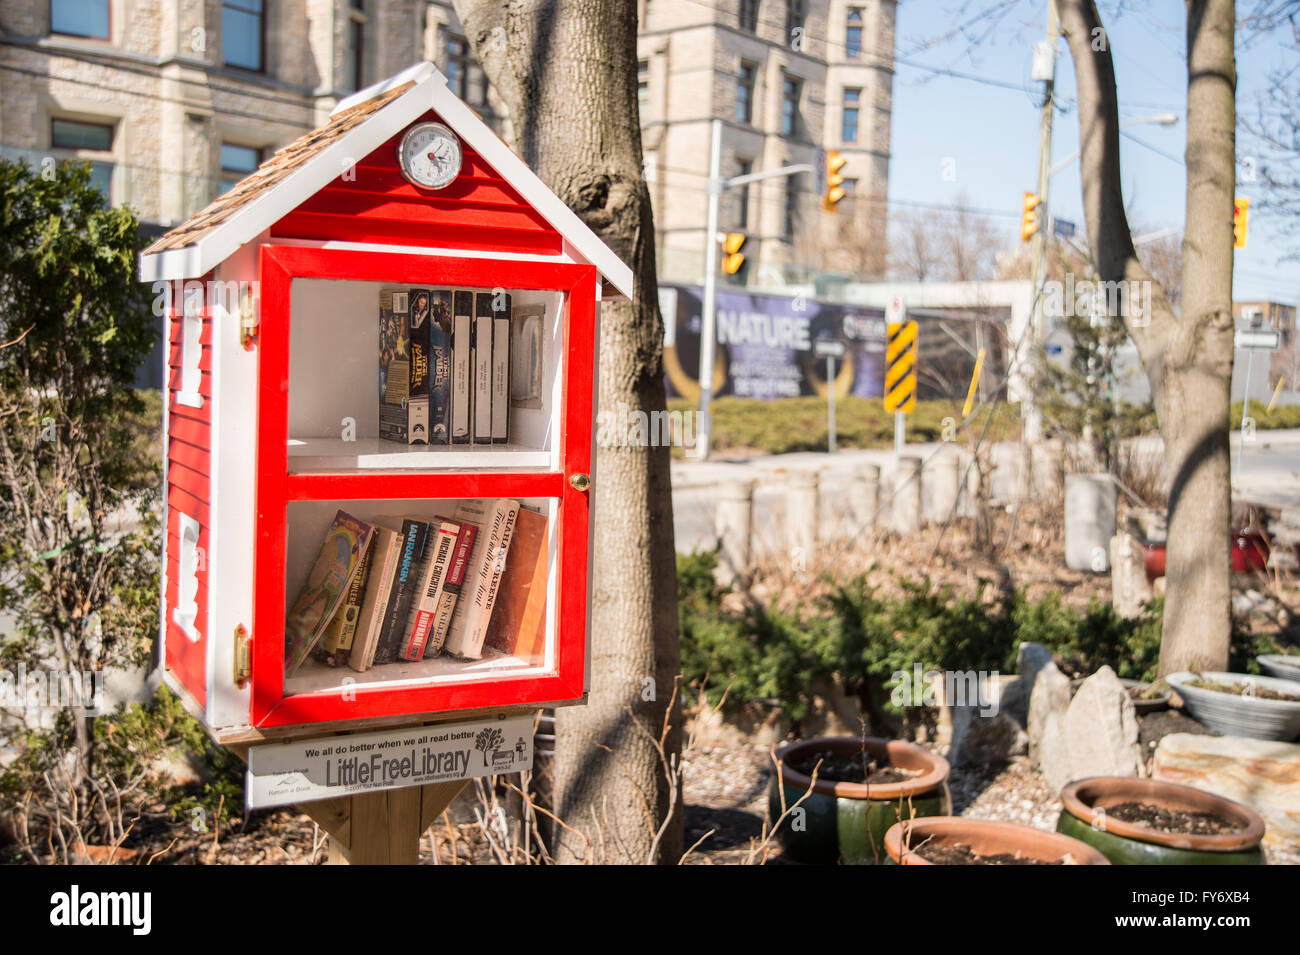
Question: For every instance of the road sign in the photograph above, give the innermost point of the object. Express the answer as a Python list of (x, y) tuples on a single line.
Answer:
[(1257, 338), (828, 349), (900, 367)]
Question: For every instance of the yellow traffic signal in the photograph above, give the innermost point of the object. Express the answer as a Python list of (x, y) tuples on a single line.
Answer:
[(734, 259), (1029, 218), (1240, 209), (834, 181)]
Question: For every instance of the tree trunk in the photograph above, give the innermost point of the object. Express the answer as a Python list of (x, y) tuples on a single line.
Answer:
[(567, 73), (1188, 359)]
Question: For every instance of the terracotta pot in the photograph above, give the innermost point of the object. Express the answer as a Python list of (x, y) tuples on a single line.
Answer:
[(986, 838), (847, 821), (1127, 843)]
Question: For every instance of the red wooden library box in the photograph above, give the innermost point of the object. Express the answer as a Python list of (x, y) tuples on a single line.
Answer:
[(272, 421)]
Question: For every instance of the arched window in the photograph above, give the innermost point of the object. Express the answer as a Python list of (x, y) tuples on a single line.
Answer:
[(853, 35)]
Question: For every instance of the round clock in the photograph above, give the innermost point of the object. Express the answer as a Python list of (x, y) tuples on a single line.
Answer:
[(429, 155)]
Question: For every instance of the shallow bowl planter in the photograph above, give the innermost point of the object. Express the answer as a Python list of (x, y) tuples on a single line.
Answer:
[(1129, 843), (986, 837), (1232, 715), (847, 821), (1280, 665)]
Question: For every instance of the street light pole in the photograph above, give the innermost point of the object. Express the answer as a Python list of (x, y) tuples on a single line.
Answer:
[(708, 311), (1032, 416)]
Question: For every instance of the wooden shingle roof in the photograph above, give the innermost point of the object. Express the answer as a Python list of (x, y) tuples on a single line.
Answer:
[(271, 172)]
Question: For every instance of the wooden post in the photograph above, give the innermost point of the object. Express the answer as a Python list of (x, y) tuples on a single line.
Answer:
[(381, 828)]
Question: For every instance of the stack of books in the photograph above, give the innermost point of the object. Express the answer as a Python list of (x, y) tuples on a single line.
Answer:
[(397, 590), (444, 366)]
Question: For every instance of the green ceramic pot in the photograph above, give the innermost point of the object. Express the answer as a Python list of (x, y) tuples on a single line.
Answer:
[(847, 822), (1123, 843)]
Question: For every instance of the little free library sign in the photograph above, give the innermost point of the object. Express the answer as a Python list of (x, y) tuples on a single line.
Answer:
[(325, 767)]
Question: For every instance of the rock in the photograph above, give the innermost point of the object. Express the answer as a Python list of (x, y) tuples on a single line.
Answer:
[(1263, 774), (979, 740), (1049, 698), (1128, 576), (1014, 700), (1097, 736)]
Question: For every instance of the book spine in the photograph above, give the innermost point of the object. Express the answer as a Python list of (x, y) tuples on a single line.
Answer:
[(451, 588), (414, 536), (383, 569), (424, 607), (483, 369), (501, 373), (336, 645), (461, 346), (487, 580), (417, 403), (440, 366), (394, 365)]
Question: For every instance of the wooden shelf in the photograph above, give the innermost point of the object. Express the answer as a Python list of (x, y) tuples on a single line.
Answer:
[(373, 454), (314, 676)]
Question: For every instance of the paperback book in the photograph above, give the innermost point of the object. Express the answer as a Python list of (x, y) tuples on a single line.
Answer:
[(326, 587)]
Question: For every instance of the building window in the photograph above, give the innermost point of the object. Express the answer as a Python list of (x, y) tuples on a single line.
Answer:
[(87, 18), (745, 167), (242, 33), (745, 92), (80, 138), (853, 35), (849, 116), (749, 15), (236, 163), (790, 219), (464, 76), (790, 88), (354, 53), (643, 88), (796, 12)]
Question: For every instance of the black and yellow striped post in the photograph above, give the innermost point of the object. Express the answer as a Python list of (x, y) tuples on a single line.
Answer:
[(900, 367)]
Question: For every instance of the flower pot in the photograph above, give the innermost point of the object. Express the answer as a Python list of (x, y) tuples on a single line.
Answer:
[(1130, 843), (1280, 665), (986, 838), (1232, 715), (847, 822)]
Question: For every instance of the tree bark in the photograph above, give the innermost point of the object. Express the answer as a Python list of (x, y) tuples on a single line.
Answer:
[(566, 70), (1188, 358)]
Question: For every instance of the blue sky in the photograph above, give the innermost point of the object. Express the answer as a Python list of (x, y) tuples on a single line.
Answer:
[(991, 131)]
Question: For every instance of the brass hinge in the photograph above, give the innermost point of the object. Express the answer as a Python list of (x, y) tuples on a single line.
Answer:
[(248, 308), (243, 657)]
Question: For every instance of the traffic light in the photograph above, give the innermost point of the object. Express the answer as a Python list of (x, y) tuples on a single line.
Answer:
[(1029, 218), (1240, 209), (834, 181), (734, 259)]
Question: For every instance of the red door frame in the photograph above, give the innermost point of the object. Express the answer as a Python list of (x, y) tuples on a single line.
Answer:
[(276, 487)]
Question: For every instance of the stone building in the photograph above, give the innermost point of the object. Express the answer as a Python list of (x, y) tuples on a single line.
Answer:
[(174, 100), (787, 78)]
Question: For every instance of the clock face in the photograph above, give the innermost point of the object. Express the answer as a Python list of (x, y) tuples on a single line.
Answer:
[(430, 155)]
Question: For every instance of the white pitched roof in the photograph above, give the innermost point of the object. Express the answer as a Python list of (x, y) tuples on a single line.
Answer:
[(358, 125)]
